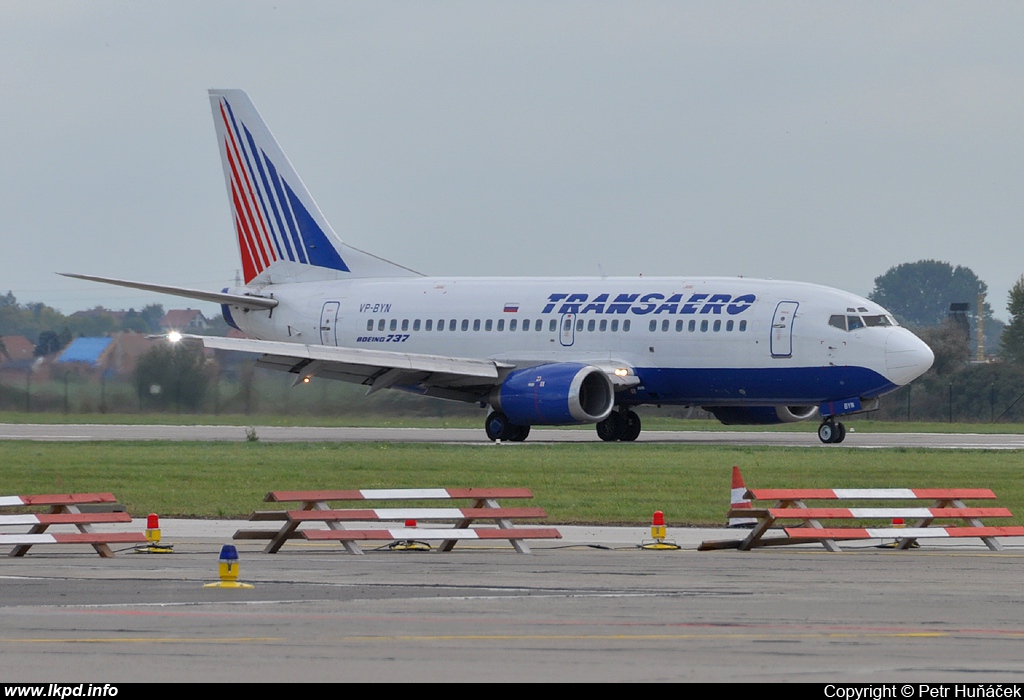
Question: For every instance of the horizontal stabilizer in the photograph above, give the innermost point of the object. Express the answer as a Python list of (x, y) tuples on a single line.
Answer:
[(240, 300)]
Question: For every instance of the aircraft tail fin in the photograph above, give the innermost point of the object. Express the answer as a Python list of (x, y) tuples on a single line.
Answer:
[(282, 234)]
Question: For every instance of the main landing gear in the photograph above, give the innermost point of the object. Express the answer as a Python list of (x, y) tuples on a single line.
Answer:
[(831, 431), (621, 425), (498, 427)]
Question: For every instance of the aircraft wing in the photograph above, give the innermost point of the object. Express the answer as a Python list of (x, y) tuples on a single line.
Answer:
[(464, 379)]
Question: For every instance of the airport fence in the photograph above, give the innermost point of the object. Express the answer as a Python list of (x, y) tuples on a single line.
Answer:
[(984, 393)]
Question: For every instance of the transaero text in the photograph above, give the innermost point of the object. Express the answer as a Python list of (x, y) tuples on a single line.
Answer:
[(652, 303)]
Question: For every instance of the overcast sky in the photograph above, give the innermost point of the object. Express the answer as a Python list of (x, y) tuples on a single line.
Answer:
[(818, 141)]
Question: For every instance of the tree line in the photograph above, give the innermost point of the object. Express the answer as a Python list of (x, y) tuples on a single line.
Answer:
[(919, 294), (957, 387), (51, 330)]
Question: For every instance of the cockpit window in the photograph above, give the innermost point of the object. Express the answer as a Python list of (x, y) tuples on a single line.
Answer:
[(851, 322), (879, 320)]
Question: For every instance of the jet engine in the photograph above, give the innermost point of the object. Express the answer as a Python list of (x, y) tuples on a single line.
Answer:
[(555, 394), (761, 415)]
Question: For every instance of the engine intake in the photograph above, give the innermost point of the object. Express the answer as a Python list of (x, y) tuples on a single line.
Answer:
[(555, 394)]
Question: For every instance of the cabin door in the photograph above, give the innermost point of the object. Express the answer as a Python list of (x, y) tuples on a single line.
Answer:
[(329, 323), (782, 329), (567, 334)]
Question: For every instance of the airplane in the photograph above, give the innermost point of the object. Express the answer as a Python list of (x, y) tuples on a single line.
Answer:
[(533, 350)]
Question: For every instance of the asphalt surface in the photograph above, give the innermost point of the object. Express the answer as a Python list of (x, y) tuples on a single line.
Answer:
[(854, 439), (590, 607)]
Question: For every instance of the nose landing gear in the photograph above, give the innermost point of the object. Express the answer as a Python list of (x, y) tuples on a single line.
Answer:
[(831, 431)]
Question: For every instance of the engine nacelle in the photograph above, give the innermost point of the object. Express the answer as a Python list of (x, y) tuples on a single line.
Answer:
[(761, 415), (556, 394)]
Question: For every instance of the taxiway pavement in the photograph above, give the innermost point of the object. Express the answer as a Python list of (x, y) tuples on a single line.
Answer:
[(591, 607)]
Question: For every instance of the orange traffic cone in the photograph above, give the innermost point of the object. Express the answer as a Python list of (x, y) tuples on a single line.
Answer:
[(739, 501)]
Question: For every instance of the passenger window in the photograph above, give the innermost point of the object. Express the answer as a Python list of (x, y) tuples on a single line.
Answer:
[(591, 325), (394, 324), (429, 325), (652, 326), (691, 326), (512, 324), (579, 325), (553, 326), (405, 324), (604, 325), (465, 324), (488, 325), (476, 324), (380, 325), (718, 326), (501, 324), (664, 325), (679, 326), (416, 325), (526, 324), (369, 325), (451, 324), (615, 325), (743, 326), (728, 325), (704, 326), (625, 326), (440, 324)]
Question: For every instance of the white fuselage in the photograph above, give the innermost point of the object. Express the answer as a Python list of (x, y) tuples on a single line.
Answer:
[(706, 341)]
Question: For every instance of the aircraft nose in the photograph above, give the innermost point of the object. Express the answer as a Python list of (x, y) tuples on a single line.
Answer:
[(907, 357)]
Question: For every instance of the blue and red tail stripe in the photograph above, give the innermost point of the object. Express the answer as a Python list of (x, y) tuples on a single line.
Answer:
[(271, 221)]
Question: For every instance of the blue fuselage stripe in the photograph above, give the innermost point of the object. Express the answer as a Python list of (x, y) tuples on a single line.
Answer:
[(754, 386)]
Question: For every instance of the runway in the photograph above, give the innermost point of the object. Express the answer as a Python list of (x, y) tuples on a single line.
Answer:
[(854, 439), (591, 608)]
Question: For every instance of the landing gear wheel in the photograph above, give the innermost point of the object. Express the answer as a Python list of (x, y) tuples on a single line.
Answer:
[(519, 433), (611, 428), (631, 430), (498, 427), (831, 432)]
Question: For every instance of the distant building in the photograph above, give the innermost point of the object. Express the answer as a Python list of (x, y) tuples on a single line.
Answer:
[(85, 351), (17, 358), (100, 312), (116, 355), (189, 320), (16, 348)]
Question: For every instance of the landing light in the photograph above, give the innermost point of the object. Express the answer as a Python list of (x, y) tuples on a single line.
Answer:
[(621, 372), (174, 336), (305, 380)]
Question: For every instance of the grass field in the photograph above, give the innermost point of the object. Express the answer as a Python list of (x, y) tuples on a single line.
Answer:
[(576, 483)]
